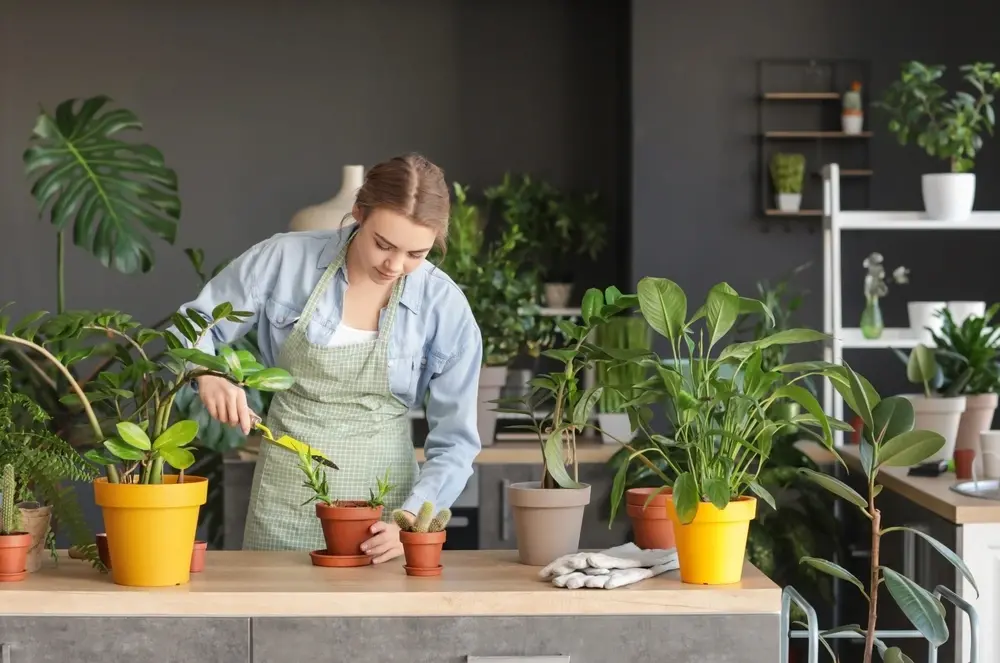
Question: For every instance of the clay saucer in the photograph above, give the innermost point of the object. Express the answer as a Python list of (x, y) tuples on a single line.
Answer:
[(421, 572), (321, 558), (13, 577)]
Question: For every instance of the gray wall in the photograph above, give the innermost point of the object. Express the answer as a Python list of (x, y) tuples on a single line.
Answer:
[(694, 158), (258, 107)]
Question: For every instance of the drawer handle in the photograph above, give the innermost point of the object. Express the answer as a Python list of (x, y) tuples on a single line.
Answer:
[(517, 659), (504, 510)]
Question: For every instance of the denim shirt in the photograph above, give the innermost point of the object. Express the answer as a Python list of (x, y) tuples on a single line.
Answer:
[(435, 344)]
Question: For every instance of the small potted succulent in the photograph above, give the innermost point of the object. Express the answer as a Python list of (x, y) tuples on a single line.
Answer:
[(787, 174), (872, 324), (422, 539), (852, 117), (14, 543)]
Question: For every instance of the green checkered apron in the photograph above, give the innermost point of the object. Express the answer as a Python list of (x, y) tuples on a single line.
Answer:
[(340, 404)]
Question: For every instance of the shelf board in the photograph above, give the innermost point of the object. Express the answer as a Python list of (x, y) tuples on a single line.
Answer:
[(815, 134), (801, 96), (892, 337), (556, 312), (871, 220), (850, 172), (801, 212)]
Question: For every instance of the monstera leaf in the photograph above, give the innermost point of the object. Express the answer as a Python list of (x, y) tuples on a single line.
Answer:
[(113, 193)]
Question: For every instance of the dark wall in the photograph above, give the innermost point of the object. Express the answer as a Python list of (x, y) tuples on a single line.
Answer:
[(694, 158), (257, 107)]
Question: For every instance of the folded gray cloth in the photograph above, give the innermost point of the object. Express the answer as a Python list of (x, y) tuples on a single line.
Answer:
[(615, 567)]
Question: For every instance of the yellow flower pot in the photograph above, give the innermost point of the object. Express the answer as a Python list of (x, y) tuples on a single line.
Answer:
[(151, 529), (712, 547)]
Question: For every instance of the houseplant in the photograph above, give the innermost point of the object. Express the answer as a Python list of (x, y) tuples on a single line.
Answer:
[(150, 516), (422, 539), (548, 513), (787, 174), (852, 116), (933, 411), (872, 324), (723, 425), (622, 332), (951, 129), (14, 542), (891, 439)]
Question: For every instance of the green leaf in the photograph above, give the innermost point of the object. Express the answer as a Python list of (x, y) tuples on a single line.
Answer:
[(722, 308), (921, 366), (756, 307), (221, 311), (122, 450), (555, 462), (232, 361), (812, 406), (910, 448), (835, 486), (177, 435), (686, 497), (565, 355), (836, 571), (585, 406), (663, 305), (112, 193), (270, 379), (838, 377), (895, 655), (763, 494), (133, 435), (923, 610), (200, 358), (717, 492), (945, 552), (891, 417), (184, 327), (862, 399), (178, 458)]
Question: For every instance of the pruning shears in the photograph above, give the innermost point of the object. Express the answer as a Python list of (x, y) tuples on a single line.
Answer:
[(290, 443)]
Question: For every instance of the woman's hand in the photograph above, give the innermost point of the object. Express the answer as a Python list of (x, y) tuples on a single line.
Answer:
[(225, 401), (384, 545)]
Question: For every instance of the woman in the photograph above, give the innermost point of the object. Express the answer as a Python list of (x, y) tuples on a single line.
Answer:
[(367, 327)]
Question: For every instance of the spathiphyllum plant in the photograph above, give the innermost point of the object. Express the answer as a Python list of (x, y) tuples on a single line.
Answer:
[(889, 441), (968, 354), (137, 436)]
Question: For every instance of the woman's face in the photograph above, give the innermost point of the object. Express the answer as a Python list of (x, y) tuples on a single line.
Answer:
[(389, 245)]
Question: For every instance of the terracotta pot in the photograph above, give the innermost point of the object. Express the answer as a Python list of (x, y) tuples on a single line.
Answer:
[(102, 549), (651, 525), (547, 521), (346, 525), (35, 521), (14, 555), (978, 416), (423, 552), (198, 556)]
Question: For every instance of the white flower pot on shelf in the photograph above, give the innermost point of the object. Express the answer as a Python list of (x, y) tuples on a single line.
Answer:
[(789, 202), (948, 196), (923, 315), (557, 294), (614, 426), (852, 123), (941, 415), (962, 311)]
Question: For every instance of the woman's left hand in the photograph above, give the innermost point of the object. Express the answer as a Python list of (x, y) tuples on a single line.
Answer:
[(384, 544)]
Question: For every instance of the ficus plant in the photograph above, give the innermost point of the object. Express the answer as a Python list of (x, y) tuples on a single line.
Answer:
[(136, 434), (888, 441)]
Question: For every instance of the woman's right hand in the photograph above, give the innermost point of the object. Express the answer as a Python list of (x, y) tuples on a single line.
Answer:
[(225, 401)]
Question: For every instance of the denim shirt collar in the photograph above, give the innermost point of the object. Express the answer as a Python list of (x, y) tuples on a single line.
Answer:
[(413, 285)]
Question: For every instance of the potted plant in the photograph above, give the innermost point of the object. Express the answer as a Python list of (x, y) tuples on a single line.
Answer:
[(719, 407), (622, 332), (14, 543), (872, 324), (891, 439), (852, 117), (548, 514), (787, 174), (422, 539), (951, 129), (933, 411), (150, 516)]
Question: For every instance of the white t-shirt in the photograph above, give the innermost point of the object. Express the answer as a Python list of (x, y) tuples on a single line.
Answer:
[(350, 336)]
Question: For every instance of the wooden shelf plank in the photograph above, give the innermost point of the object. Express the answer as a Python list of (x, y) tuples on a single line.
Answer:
[(801, 212), (801, 96), (815, 134), (856, 172)]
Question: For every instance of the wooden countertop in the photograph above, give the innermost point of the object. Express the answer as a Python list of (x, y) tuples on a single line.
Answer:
[(487, 582)]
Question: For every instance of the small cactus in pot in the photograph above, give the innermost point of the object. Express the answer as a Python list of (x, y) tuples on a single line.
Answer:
[(14, 544), (852, 116), (423, 538)]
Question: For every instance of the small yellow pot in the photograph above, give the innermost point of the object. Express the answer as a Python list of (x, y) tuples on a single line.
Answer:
[(712, 547), (151, 529)]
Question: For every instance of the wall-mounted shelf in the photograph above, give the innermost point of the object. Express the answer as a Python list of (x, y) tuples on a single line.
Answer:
[(801, 212), (815, 134), (802, 96), (855, 172)]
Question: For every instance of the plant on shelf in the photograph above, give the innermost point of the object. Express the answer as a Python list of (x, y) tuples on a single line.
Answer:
[(622, 332), (933, 410), (876, 288), (14, 543), (787, 174), (950, 128), (851, 114), (423, 538), (719, 404), (558, 409), (890, 439)]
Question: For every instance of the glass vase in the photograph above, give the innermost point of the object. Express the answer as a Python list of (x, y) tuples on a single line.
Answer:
[(871, 320)]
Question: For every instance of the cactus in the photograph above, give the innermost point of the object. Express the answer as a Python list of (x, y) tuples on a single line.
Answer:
[(788, 171), (11, 515), (852, 98), (440, 521), (425, 521), (424, 517), (402, 520)]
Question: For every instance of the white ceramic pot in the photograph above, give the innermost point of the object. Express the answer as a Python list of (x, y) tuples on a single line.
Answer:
[(941, 415), (852, 123), (789, 202), (614, 426), (557, 294), (987, 460), (923, 318), (962, 311), (948, 196)]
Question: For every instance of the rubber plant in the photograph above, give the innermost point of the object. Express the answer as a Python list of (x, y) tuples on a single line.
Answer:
[(889, 440)]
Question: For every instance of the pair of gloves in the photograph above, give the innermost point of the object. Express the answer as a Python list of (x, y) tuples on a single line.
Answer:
[(609, 569)]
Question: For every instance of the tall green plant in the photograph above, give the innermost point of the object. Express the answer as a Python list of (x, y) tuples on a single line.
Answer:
[(788, 172), (968, 354), (920, 110), (624, 332)]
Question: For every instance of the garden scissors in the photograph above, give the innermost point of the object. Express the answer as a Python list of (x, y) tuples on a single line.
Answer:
[(289, 443)]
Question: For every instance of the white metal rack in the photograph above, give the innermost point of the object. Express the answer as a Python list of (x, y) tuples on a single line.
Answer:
[(834, 222)]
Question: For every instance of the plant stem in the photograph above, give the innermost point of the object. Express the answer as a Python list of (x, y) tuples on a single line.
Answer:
[(876, 517)]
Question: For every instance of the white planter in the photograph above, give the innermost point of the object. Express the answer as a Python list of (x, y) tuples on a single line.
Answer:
[(789, 202), (986, 464), (962, 311), (614, 426), (852, 123), (924, 315), (557, 294), (948, 196), (941, 415)]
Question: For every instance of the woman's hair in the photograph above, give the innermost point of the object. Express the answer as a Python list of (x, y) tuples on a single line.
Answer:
[(412, 186)]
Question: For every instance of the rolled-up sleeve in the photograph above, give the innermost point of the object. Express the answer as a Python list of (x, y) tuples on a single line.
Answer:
[(452, 442)]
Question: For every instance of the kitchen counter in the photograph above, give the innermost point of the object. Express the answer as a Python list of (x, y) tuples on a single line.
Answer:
[(256, 607)]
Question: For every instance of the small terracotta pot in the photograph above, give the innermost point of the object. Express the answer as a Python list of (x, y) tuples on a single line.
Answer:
[(102, 549), (346, 525), (423, 552), (14, 555), (198, 556), (651, 525), (963, 463)]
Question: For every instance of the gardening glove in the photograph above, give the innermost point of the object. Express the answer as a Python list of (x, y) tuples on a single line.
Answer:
[(611, 568)]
